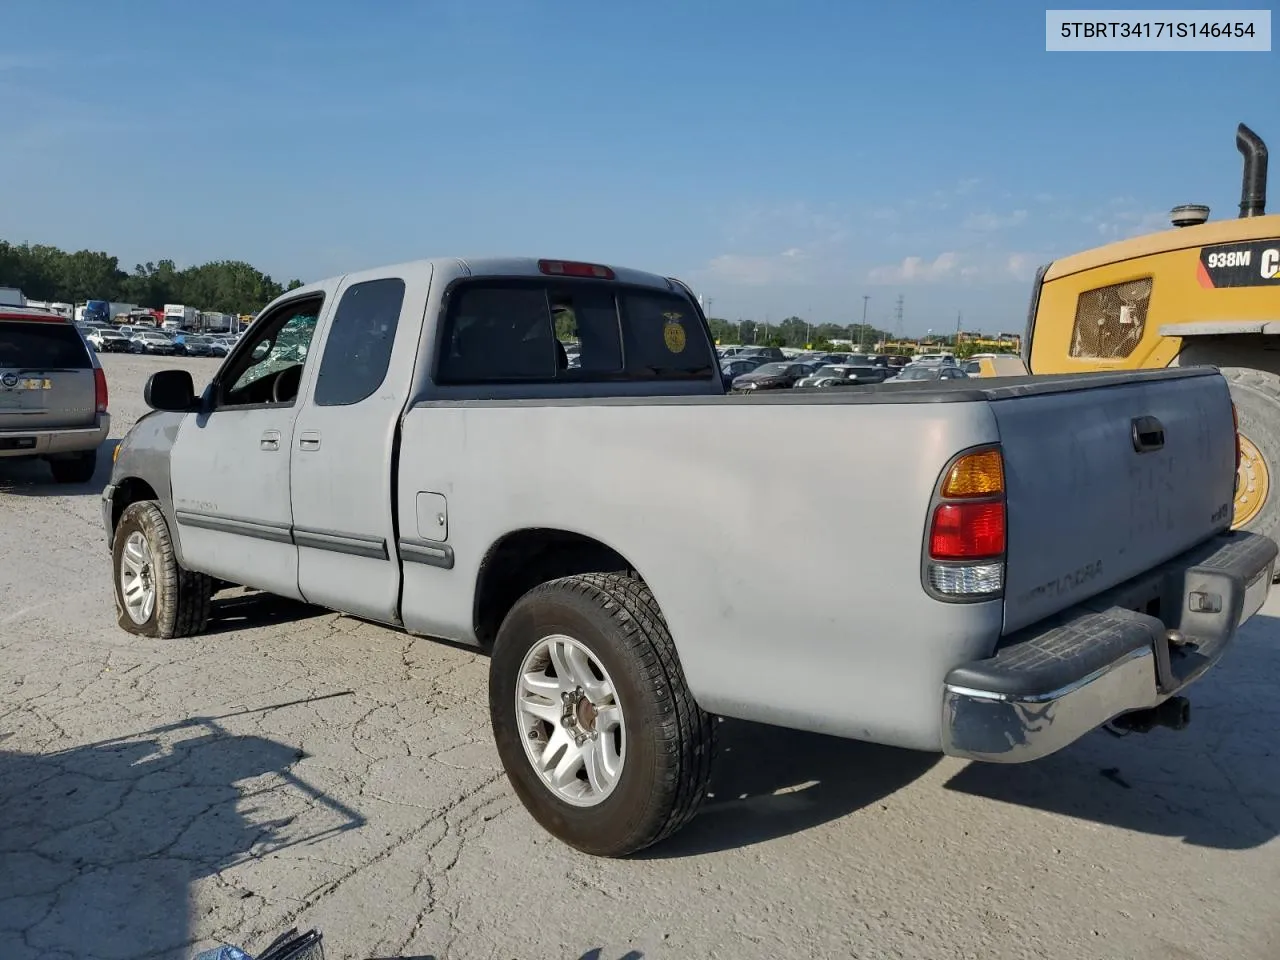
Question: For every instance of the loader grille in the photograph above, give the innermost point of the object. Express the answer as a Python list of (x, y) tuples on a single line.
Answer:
[(1110, 320)]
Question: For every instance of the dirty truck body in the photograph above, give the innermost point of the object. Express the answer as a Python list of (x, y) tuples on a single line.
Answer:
[(408, 445)]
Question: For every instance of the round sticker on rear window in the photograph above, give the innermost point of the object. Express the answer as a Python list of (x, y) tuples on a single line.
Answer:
[(673, 333)]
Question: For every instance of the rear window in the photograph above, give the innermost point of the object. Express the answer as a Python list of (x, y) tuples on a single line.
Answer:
[(42, 346), (539, 332)]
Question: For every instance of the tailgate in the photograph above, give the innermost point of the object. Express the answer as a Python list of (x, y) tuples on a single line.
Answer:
[(1106, 480), (46, 377)]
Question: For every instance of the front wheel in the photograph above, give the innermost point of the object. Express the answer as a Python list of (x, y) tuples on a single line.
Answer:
[(155, 597), (1256, 394), (593, 721)]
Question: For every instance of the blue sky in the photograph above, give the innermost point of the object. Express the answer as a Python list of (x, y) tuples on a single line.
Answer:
[(782, 157)]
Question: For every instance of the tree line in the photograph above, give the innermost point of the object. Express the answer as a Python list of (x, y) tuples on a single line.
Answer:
[(794, 332), (45, 272)]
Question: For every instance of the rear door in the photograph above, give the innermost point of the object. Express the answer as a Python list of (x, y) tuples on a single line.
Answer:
[(1105, 482), (344, 440), (46, 375)]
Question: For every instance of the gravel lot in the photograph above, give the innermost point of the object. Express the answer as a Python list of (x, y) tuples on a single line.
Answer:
[(296, 767)]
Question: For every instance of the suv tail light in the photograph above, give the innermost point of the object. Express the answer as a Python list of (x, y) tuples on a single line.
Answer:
[(100, 389), (965, 547)]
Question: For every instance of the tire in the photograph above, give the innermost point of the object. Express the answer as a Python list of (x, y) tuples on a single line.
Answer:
[(181, 598), (668, 740), (1257, 398), (79, 469)]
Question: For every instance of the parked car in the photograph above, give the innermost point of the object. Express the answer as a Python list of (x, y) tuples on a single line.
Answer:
[(220, 346), (106, 339), (737, 366), (584, 527), (767, 353), (151, 341), (995, 365), (192, 344), (844, 375), (935, 359), (772, 376), (921, 372), (53, 394)]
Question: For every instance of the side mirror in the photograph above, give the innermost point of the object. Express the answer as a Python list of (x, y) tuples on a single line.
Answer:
[(171, 390)]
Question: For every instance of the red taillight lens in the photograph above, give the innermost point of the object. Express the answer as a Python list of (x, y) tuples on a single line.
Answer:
[(967, 531), (100, 389), (566, 268)]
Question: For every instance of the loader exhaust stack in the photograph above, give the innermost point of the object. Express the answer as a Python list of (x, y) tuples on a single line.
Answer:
[(1253, 189)]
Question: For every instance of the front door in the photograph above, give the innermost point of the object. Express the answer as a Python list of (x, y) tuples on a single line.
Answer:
[(230, 462), (345, 436)]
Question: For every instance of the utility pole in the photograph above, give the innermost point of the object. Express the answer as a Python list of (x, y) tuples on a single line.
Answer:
[(863, 332), (959, 321)]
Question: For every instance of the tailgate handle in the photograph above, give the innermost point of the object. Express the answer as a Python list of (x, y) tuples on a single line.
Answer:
[(1148, 434)]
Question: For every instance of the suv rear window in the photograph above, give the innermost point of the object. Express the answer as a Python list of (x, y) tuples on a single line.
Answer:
[(42, 346), (533, 331)]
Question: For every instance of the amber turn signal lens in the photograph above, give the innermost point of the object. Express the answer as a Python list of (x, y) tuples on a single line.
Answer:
[(976, 475)]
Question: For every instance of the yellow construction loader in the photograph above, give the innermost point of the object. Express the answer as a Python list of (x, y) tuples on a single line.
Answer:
[(1204, 292)]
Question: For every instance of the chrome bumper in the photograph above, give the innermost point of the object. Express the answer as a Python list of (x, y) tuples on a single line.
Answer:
[(39, 442), (1052, 683)]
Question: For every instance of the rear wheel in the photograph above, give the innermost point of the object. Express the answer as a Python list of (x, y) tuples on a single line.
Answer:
[(77, 469), (1257, 398), (593, 721), (155, 597)]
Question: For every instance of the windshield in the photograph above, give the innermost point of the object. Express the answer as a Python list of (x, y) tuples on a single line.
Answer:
[(773, 369), (828, 372), (918, 373)]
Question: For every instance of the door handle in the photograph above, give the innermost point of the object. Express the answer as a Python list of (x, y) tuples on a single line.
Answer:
[(309, 440), (1148, 434), (270, 440)]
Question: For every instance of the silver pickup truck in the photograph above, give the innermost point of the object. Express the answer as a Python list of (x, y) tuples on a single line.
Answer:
[(412, 445)]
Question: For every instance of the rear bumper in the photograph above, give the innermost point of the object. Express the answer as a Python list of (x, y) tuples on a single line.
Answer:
[(40, 443), (1052, 683)]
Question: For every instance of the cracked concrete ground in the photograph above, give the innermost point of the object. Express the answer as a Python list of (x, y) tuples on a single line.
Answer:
[(298, 767)]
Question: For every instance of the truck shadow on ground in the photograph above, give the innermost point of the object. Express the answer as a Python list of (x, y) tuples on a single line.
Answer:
[(769, 783), (103, 843), (246, 609), (1215, 784), (31, 478)]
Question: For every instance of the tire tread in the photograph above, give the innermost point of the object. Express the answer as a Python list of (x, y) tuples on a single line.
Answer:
[(185, 598), (686, 737)]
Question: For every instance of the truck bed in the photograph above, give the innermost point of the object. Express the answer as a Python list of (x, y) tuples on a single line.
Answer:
[(781, 533)]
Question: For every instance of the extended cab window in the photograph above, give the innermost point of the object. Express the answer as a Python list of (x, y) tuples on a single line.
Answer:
[(514, 330), (269, 369), (357, 350), (662, 337)]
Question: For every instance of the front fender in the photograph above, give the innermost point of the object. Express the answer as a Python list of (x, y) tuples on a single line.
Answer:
[(142, 461)]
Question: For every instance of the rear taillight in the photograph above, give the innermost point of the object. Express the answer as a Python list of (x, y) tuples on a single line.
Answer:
[(965, 547), (100, 389)]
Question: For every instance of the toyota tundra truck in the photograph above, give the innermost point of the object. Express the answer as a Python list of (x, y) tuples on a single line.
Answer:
[(411, 446)]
